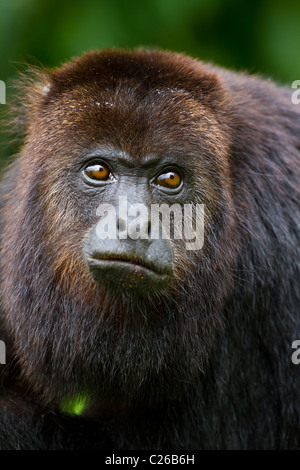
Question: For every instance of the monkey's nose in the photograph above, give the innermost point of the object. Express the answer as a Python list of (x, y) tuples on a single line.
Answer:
[(134, 227)]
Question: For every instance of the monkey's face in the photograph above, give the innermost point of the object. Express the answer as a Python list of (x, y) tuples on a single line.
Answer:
[(124, 169), (124, 250)]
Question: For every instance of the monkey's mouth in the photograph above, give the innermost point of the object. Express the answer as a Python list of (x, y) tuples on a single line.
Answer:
[(129, 263), (125, 274)]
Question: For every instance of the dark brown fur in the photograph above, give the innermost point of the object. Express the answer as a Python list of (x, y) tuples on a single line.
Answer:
[(206, 364)]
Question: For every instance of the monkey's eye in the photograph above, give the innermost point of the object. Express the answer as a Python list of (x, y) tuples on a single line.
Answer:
[(97, 172), (169, 179)]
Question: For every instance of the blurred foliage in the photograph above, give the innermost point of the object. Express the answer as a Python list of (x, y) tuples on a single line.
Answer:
[(258, 35), (75, 406)]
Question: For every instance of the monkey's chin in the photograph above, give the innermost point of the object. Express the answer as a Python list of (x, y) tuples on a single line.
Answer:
[(127, 276)]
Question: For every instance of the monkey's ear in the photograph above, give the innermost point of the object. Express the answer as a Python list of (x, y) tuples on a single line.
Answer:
[(30, 90)]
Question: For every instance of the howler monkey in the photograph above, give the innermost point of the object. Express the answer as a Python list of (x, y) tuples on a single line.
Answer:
[(175, 343)]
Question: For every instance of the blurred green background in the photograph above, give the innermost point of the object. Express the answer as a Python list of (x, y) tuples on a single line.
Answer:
[(258, 35)]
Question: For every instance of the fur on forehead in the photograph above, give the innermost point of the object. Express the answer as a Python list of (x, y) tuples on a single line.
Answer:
[(160, 71), (97, 77)]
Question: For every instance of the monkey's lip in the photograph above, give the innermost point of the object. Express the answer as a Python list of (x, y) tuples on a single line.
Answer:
[(131, 263)]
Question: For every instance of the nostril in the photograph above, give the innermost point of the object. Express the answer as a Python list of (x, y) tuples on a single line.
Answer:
[(134, 227), (121, 225), (149, 228)]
